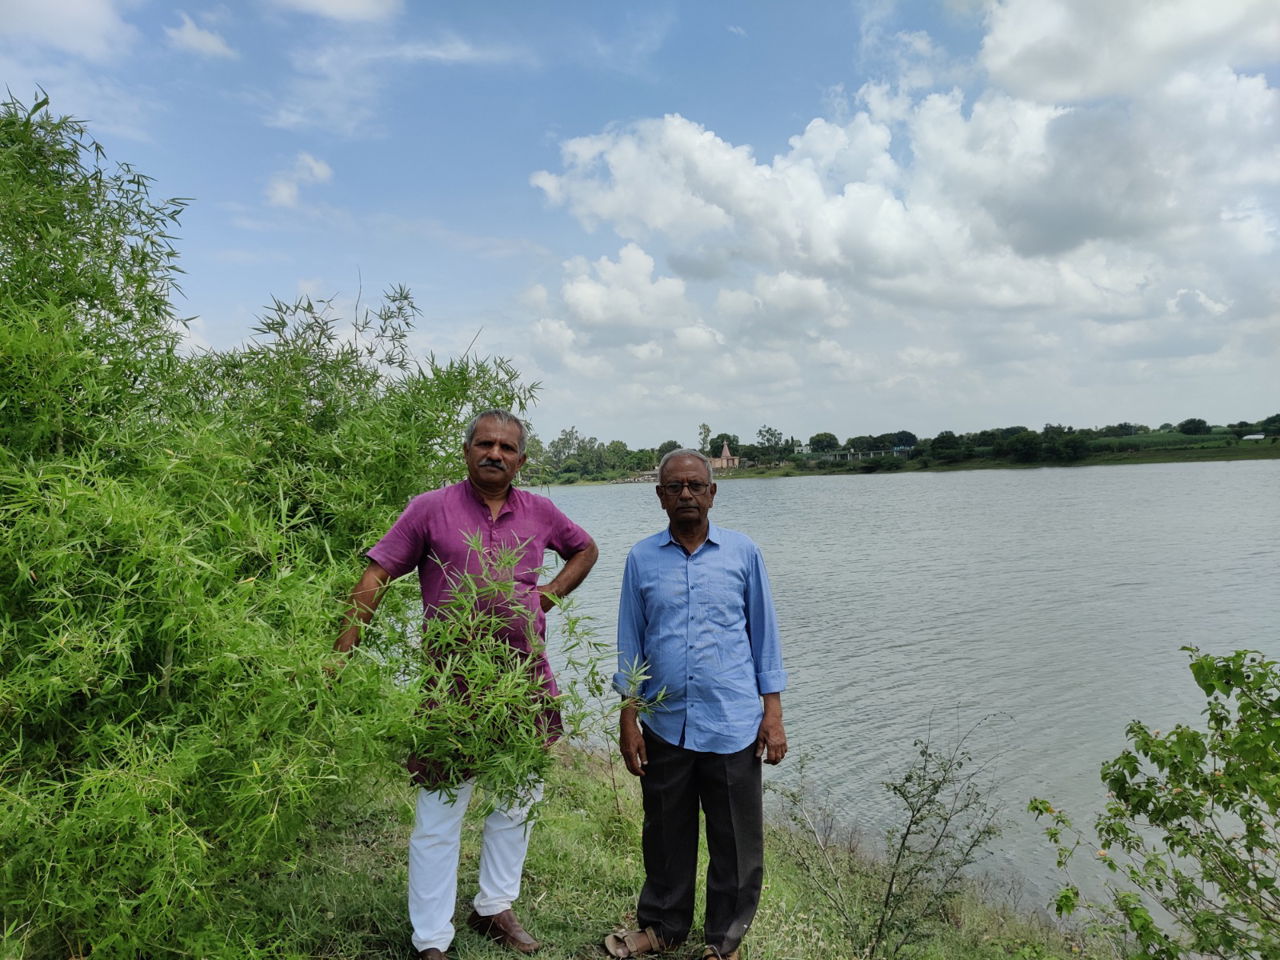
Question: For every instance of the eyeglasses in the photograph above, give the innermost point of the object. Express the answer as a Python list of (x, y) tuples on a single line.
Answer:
[(696, 487)]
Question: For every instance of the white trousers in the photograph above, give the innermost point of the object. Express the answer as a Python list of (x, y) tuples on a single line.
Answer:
[(433, 861)]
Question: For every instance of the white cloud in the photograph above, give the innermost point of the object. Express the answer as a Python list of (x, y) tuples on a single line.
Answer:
[(924, 243), (190, 36), (337, 87), (283, 188), (736, 303), (194, 336), (630, 50), (621, 297), (647, 353), (454, 50), (697, 338), (789, 298), (79, 89), (588, 366), (92, 29), (534, 298), (929, 359), (657, 175), (345, 10), (1196, 304), (837, 362), (1069, 50), (554, 335), (998, 179)]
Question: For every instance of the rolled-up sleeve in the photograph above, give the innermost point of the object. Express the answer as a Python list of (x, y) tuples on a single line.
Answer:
[(762, 630)]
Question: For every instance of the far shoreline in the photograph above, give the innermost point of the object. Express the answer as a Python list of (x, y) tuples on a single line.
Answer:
[(816, 468)]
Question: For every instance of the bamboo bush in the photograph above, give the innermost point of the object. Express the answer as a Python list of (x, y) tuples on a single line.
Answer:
[(178, 534)]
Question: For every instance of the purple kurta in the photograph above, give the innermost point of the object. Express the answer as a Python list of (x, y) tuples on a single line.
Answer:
[(432, 534)]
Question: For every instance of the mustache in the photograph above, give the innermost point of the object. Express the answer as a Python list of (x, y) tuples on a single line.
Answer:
[(490, 462)]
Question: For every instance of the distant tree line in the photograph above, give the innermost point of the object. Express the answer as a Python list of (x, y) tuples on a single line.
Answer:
[(571, 457)]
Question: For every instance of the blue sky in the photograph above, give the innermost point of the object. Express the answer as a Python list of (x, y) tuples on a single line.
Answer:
[(854, 217)]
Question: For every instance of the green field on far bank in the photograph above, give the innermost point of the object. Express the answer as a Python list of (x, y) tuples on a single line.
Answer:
[(1207, 451)]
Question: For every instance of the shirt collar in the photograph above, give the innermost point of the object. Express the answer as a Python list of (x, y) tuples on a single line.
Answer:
[(513, 495), (713, 536)]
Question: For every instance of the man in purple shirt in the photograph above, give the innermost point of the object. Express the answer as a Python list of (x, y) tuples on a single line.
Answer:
[(431, 536), (696, 620)]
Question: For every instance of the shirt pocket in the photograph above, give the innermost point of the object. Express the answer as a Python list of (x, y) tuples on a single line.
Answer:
[(726, 609)]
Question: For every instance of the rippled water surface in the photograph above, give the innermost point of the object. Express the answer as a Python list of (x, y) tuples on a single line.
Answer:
[(1057, 598)]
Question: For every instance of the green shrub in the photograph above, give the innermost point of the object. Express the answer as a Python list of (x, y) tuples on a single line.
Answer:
[(892, 906), (178, 536), (86, 269), (1193, 821)]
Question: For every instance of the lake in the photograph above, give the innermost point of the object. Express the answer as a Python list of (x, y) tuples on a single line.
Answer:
[(1056, 598)]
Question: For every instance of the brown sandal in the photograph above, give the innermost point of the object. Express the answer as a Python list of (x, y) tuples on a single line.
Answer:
[(633, 943), (711, 953)]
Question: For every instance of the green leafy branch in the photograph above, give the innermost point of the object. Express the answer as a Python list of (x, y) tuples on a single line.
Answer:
[(947, 822), (1192, 821)]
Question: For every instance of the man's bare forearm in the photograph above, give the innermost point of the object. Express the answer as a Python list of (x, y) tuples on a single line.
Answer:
[(771, 741), (573, 572), (364, 601), (631, 739), (773, 705)]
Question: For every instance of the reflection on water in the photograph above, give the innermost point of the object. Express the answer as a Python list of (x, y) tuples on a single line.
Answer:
[(1057, 597)]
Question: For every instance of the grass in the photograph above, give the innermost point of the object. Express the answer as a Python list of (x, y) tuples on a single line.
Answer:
[(344, 896)]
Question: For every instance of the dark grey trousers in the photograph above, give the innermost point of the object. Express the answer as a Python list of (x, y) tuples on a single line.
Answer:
[(727, 787)]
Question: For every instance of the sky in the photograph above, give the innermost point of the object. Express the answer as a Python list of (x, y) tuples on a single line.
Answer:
[(854, 217)]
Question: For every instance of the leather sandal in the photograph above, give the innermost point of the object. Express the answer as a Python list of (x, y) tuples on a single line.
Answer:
[(711, 953), (633, 943)]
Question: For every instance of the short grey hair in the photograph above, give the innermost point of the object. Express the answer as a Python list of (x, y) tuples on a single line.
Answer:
[(686, 452), (502, 416)]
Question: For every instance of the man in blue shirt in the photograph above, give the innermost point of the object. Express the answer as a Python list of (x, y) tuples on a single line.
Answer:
[(696, 620)]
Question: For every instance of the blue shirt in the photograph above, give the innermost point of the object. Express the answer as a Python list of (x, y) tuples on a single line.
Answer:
[(703, 627)]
